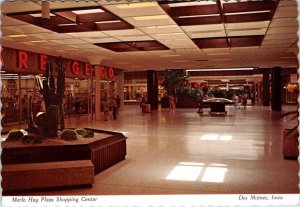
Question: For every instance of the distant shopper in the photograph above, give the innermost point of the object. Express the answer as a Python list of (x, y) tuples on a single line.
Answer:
[(200, 100), (105, 109), (118, 100), (115, 108), (143, 103), (172, 103), (77, 106), (244, 100)]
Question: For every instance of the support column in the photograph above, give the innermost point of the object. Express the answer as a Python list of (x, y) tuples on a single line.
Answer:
[(97, 93), (120, 86), (276, 89), (266, 88), (152, 89)]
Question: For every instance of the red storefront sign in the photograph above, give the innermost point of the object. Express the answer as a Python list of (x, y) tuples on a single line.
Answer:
[(37, 63)]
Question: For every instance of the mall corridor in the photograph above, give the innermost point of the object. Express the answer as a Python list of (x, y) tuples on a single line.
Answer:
[(183, 152)]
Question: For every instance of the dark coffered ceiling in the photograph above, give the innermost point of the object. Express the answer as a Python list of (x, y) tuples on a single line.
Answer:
[(83, 19)]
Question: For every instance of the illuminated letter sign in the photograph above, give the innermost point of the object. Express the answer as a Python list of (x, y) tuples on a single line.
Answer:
[(75, 67), (1, 59), (23, 57), (102, 72), (110, 72), (43, 61), (87, 69)]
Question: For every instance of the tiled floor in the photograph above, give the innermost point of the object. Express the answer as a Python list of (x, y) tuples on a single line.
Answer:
[(184, 153)]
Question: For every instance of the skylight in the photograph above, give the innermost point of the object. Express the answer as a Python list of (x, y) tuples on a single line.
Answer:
[(88, 11), (40, 15)]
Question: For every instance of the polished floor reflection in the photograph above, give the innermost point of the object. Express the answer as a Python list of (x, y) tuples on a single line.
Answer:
[(183, 152)]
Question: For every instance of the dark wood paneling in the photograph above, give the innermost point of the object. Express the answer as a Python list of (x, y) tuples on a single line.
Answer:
[(211, 42), (96, 17), (194, 10), (113, 26), (249, 6), (67, 15), (245, 41), (248, 17), (198, 20)]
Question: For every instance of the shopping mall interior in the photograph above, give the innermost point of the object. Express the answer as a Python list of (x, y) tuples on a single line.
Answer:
[(238, 51)]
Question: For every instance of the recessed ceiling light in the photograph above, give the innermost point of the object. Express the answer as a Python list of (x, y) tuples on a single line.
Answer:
[(199, 3), (221, 69), (88, 11), (137, 5), (250, 12), (38, 41), (70, 24), (106, 22), (40, 15), (194, 16), (19, 35), (220, 60), (221, 53), (163, 16)]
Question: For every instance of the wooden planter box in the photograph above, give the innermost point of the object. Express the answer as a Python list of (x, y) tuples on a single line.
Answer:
[(186, 103), (103, 152), (290, 144)]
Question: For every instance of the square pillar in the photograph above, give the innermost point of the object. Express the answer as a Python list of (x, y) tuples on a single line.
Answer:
[(276, 89), (152, 89)]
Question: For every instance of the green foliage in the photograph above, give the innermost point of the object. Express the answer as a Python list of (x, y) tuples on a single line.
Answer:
[(68, 135), (80, 131), (174, 80), (88, 134), (192, 93), (15, 135)]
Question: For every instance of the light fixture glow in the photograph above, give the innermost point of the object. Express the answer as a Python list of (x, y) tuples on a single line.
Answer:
[(38, 41), (249, 12), (194, 16), (18, 35), (70, 24), (88, 11), (220, 69), (106, 22), (137, 5), (40, 15)]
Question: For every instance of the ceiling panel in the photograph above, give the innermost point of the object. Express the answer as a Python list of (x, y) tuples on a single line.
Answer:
[(135, 9), (19, 6), (134, 38), (281, 36), (244, 32), (88, 34), (125, 32), (152, 20), (247, 25), (8, 21), (281, 41), (172, 28), (100, 40), (83, 46), (283, 12), (51, 36), (26, 29), (283, 30), (207, 34), (284, 22), (70, 41)]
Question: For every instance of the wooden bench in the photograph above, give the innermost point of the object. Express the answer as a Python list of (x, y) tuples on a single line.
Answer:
[(18, 177)]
